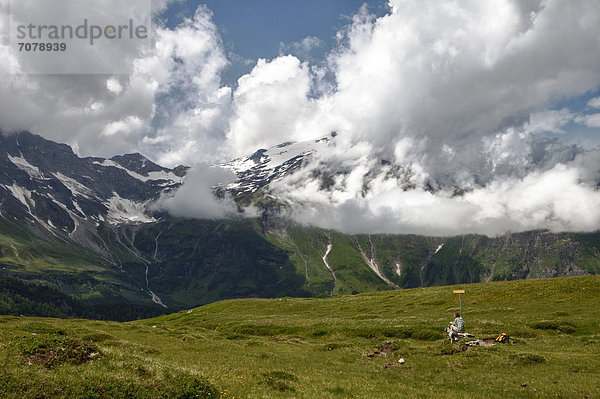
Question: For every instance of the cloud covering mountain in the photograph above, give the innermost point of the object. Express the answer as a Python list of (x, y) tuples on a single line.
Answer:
[(470, 100)]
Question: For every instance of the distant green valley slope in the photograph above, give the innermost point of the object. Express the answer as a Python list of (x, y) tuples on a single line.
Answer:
[(184, 263)]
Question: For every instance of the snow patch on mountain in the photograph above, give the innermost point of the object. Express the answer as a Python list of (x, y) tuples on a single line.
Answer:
[(74, 186), (72, 215), (22, 194), (76, 205), (170, 177), (108, 163), (24, 165), (162, 175), (121, 210)]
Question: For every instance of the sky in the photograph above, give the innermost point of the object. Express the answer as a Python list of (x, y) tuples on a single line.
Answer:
[(265, 28), (497, 100)]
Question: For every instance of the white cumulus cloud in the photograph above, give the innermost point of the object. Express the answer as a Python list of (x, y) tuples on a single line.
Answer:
[(170, 105), (195, 199), (450, 94)]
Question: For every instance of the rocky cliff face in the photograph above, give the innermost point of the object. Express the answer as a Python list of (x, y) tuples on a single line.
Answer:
[(46, 186)]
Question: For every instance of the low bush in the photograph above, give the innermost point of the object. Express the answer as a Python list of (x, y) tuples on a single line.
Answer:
[(422, 334), (97, 337), (451, 349), (280, 380), (525, 359), (53, 351), (560, 326)]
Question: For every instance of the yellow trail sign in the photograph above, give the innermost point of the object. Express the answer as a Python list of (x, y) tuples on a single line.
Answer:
[(459, 299)]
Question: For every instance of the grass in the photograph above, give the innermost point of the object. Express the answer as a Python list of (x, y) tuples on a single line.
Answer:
[(341, 347), (44, 361)]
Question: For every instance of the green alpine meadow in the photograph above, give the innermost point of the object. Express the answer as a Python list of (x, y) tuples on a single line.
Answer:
[(374, 345)]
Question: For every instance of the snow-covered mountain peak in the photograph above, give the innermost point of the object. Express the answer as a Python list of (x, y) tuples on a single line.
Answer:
[(49, 186), (268, 165)]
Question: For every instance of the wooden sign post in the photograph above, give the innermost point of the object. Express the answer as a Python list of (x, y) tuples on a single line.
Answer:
[(459, 292)]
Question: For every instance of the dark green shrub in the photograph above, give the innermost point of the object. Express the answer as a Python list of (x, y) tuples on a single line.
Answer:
[(524, 333), (261, 331), (54, 351), (186, 386), (97, 337), (566, 328), (560, 326), (525, 359), (428, 335), (451, 349), (545, 325), (422, 334), (280, 380), (235, 336)]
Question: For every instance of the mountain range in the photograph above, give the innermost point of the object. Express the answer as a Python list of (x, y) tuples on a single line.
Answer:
[(90, 228)]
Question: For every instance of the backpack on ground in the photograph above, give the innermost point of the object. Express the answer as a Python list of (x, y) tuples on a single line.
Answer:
[(502, 338)]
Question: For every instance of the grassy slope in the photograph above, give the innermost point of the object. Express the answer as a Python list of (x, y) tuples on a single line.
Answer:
[(327, 348), (306, 247), (193, 262), (23, 298), (590, 256), (352, 272), (463, 259), (197, 262), (409, 251), (64, 265)]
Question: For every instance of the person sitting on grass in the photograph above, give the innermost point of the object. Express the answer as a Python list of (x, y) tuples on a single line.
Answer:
[(458, 325)]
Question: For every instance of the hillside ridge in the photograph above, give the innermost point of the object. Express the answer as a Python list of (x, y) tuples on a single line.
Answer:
[(87, 227)]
